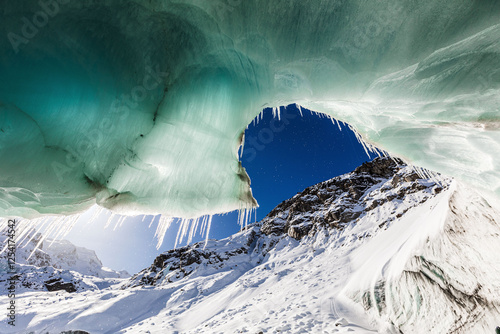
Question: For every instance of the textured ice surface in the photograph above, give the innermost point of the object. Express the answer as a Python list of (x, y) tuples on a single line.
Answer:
[(141, 105)]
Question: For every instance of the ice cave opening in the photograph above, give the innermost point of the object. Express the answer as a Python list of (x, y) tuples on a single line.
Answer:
[(285, 150)]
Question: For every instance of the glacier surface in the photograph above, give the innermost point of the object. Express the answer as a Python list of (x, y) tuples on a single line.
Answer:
[(141, 106)]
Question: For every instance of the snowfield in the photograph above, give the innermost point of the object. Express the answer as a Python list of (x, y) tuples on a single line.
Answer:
[(379, 250)]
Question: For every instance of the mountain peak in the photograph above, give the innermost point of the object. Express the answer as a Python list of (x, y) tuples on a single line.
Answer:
[(343, 199)]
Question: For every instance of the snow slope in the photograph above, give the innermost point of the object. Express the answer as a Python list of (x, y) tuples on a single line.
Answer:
[(381, 249)]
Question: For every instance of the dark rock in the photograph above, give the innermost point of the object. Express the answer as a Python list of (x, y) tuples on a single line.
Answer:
[(395, 180), (269, 228), (57, 284), (183, 262), (298, 232), (412, 177), (380, 167)]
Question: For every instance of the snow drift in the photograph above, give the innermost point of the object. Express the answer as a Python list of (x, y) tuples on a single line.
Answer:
[(140, 106)]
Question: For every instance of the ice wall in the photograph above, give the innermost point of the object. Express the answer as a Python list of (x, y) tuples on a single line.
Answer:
[(141, 105)]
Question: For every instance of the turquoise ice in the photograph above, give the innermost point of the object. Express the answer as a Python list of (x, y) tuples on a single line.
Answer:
[(141, 106)]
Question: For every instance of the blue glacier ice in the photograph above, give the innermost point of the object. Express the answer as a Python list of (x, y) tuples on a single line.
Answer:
[(141, 106)]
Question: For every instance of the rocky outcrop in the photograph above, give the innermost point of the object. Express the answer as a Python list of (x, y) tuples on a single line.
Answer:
[(178, 263), (31, 278), (342, 200), (57, 284)]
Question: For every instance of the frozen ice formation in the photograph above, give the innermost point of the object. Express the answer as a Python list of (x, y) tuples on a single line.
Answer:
[(141, 106)]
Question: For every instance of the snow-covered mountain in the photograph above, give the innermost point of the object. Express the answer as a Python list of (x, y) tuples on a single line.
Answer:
[(51, 265), (382, 249), (61, 254)]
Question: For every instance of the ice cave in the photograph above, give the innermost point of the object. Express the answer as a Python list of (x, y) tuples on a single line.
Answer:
[(141, 106)]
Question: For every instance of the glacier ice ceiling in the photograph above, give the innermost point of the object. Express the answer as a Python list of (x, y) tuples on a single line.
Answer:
[(141, 106)]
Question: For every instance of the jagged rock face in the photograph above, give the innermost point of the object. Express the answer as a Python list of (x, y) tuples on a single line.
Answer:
[(330, 205), (178, 263), (341, 200)]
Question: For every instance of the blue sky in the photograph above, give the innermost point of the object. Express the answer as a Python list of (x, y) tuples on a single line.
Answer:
[(282, 158)]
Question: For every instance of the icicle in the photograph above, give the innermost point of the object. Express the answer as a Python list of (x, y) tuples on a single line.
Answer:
[(332, 119), (192, 230), (54, 224), (151, 222), (97, 213), (244, 215), (300, 109), (21, 232), (31, 228), (242, 146), (359, 138), (163, 225), (67, 224), (426, 174), (119, 222), (182, 231), (110, 219), (209, 224), (3, 224), (340, 128), (239, 217), (204, 224), (66, 227), (178, 233)]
